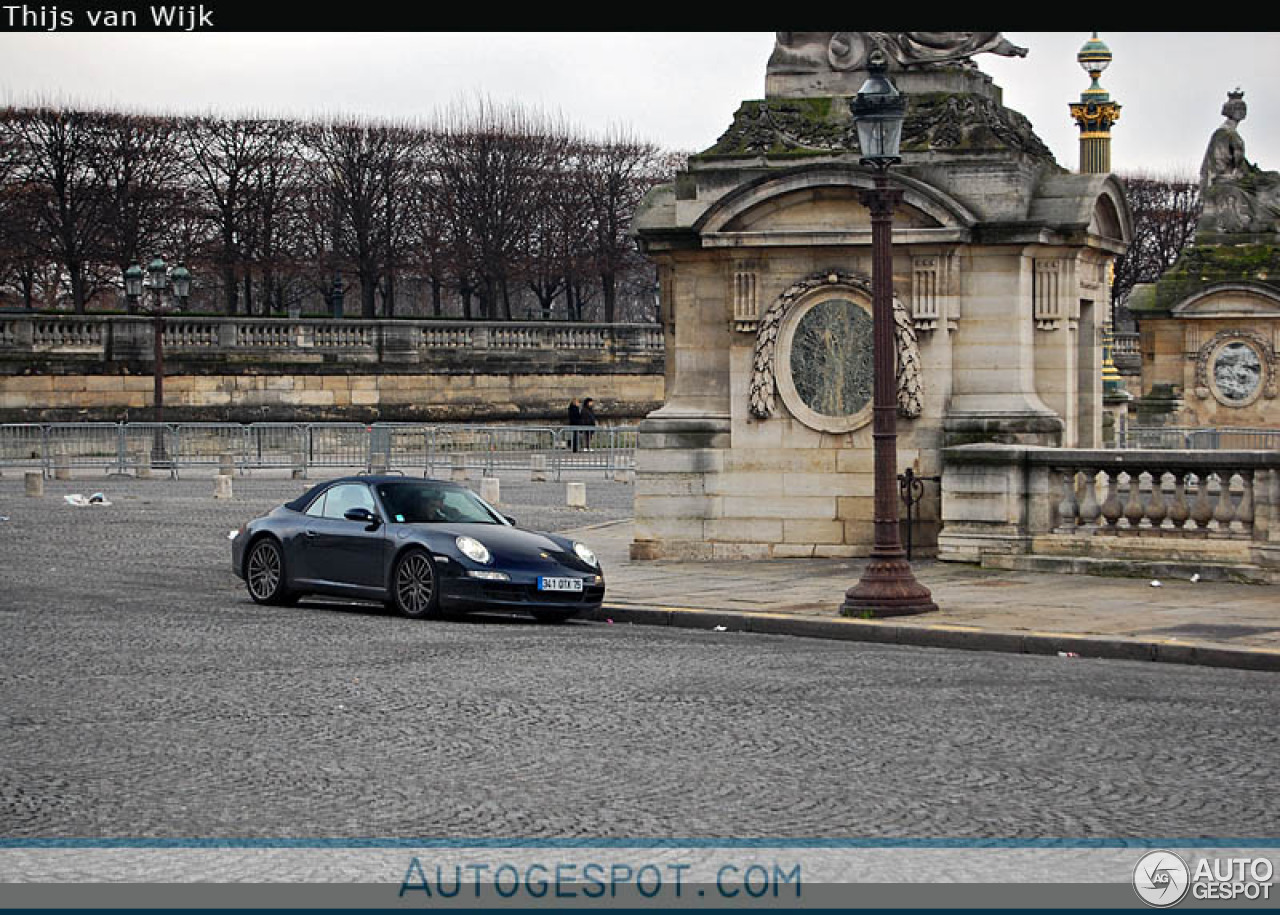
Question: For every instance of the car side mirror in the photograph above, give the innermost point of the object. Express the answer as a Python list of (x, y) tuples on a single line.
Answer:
[(510, 520), (362, 514)]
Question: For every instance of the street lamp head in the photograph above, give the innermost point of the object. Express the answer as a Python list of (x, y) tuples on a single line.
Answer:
[(878, 111), (157, 272), (133, 282), (181, 283)]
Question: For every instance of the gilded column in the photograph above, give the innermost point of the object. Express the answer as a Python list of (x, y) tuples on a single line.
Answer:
[(1095, 112)]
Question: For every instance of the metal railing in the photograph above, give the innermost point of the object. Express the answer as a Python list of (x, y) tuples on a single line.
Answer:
[(1184, 438), (433, 450)]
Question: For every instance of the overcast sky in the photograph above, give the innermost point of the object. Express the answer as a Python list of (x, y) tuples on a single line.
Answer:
[(677, 89)]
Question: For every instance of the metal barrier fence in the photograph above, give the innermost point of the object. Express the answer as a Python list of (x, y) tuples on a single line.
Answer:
[(1229, 438), (301, 447)]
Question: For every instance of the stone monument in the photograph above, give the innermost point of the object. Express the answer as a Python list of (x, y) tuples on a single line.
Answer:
[(1210, 326), (763, 447)]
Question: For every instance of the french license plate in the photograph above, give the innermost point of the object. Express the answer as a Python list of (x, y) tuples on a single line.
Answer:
[(546, 583)]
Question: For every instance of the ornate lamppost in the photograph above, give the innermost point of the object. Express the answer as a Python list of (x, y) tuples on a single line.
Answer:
[(887, 587), (156, 280)]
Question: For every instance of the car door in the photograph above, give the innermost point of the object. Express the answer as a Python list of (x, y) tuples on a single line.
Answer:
[(337, 553)]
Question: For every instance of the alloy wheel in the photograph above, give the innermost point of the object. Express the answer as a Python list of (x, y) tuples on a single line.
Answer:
[(263, 571), (415, 585)]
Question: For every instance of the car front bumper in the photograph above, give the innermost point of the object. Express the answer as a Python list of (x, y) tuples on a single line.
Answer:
[(465, 593)]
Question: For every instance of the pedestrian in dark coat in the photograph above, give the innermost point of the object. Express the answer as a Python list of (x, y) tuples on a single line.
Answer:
[(575, 419), (588, 419)]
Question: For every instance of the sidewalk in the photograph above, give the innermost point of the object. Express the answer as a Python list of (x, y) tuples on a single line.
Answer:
[(1216, 623)]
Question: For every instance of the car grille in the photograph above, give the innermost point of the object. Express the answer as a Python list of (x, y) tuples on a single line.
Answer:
[(517, 593)]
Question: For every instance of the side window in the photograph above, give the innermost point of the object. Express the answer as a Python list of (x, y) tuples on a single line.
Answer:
[(340, 499), (316, 508)]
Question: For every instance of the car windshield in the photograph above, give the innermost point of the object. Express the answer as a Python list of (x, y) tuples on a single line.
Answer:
[(424, 502)]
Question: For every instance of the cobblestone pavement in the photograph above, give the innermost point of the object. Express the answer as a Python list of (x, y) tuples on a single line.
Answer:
[(143, 695)]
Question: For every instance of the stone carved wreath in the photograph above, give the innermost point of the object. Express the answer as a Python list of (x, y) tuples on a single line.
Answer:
[(763, 368)]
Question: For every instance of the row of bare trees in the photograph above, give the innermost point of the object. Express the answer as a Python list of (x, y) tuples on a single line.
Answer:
[(486, 212)]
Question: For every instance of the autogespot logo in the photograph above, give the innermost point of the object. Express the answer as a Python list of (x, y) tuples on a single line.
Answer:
[(1161, 878)]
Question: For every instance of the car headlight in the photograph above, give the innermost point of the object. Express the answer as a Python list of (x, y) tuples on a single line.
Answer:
[(585, 554), (474, 549)]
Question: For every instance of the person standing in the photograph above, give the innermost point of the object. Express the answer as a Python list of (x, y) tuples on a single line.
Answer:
[(575, 420), (588, 419)]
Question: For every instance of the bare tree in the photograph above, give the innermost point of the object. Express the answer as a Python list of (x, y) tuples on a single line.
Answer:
[(60, 163), (275, 196), (1165, 209), (365, 168), (613, 176), (225, 158), (139, 166), (19, 254), (493, 165)]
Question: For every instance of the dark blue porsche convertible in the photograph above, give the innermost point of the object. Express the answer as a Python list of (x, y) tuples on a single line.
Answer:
[(421, 546)]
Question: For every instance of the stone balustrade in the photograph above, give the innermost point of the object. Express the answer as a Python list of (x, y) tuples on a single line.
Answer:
[(1153, 500), (124, 338), (1125, 352), (1216, 509)]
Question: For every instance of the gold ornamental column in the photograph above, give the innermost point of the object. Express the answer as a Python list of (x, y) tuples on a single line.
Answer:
[(1095, 112)]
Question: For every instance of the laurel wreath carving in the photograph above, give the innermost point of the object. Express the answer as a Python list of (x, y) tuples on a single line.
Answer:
[(763, 388)]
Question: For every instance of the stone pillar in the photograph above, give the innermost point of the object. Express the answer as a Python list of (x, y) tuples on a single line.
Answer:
[(576, 495), (538, 468), (400, 343), (490, 490), (130, 339), (142, 461), (24, 334), (990, 503), (458, 468), (299, 471), (222, 486), (994, 395), (227, 463), (34, 481), (61, 466)]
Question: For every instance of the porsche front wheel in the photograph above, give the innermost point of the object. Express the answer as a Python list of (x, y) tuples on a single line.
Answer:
[(264, 573), (414, 590)]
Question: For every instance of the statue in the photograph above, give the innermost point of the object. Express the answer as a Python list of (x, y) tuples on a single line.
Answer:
[(810, 52), (1238, 196)]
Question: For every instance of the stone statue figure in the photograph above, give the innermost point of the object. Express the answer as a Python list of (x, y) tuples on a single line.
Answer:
[(810, 52), (1238, 196)]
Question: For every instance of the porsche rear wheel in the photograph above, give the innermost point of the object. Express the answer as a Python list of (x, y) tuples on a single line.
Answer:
[(264, 573), (414, 586)]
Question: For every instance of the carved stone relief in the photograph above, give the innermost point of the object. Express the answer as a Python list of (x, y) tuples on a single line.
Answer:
[(814, 347), (1236, 368)]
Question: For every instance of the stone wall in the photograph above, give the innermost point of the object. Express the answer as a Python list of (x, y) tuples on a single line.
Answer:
[(1211, 355)]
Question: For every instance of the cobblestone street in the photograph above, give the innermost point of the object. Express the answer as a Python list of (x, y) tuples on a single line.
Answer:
[(142, 694)]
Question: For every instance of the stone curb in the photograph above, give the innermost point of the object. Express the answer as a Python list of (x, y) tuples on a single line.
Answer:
[(942, 635)]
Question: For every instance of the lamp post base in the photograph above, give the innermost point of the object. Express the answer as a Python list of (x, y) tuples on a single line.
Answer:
[(887, 588)]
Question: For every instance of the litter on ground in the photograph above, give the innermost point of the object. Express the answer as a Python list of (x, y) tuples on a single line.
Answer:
[(80, 501)]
